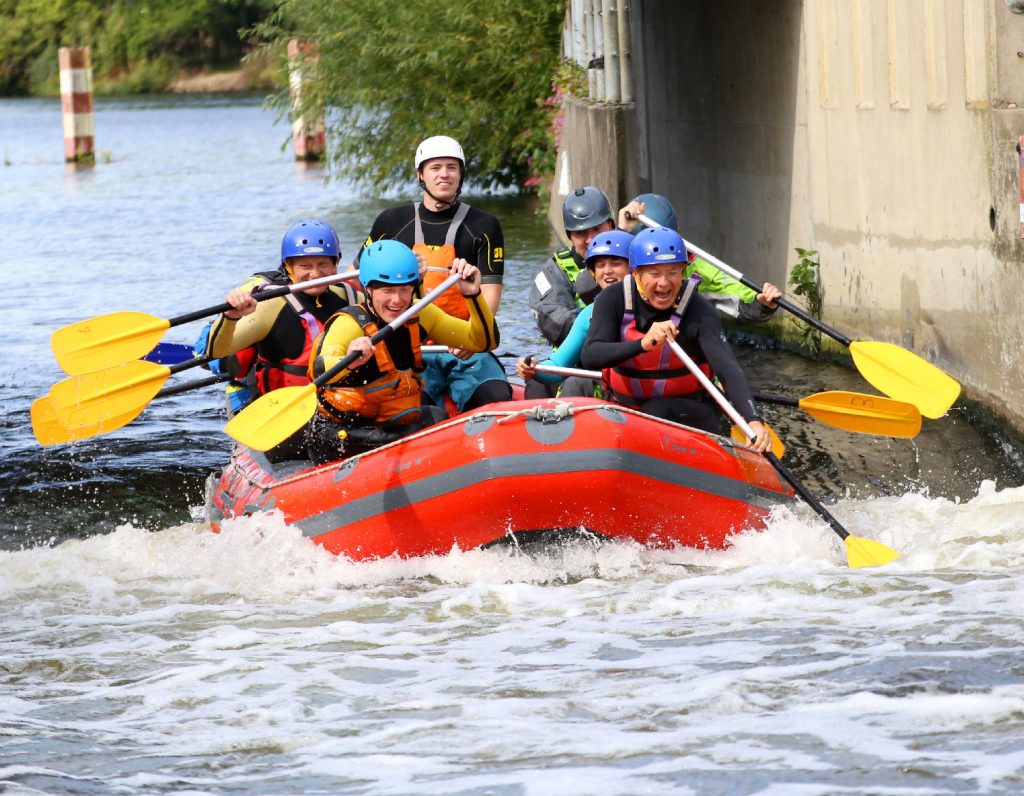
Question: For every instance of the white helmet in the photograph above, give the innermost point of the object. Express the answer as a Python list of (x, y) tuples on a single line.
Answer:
[(439, 146)]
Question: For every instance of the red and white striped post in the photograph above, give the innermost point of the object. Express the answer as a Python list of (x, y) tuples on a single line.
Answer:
[(307, 137), (76, 103)]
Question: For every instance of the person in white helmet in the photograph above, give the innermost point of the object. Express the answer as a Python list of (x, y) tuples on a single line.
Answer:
[(440, 228)]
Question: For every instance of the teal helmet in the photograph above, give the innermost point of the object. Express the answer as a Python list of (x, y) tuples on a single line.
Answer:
[(388, 262), (659, 210)]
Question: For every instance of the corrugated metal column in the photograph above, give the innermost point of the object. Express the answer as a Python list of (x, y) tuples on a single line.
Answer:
[(588, 41), (625, 53), (598, 50), (612, 47)]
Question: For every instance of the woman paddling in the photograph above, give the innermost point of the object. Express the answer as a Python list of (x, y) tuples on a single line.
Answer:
[(629, 329), (379, 397), (608, 263)]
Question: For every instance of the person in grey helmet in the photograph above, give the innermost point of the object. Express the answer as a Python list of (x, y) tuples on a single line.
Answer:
[(564, 286), (729, 296)]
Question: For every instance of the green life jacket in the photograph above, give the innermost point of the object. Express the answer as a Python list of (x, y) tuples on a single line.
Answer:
[(564, 259)]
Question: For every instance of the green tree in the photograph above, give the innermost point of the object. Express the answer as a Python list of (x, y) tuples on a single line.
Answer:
[(136, 45), (393, 73)]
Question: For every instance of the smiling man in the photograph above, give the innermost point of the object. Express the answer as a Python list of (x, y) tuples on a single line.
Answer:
[(442, 229)]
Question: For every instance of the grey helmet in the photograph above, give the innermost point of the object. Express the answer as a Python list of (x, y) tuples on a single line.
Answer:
[(659, 209), (585, 208)]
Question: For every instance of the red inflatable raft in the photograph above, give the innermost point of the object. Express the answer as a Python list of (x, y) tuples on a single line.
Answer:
[(509, 472)]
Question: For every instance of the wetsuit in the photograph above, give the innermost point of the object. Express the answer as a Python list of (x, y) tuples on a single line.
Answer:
[(700, 335), (282, 339)]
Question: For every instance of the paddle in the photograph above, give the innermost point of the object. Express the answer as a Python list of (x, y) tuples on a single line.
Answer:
[(891, 369), (97, 398), (49, 431), (169, 353), (860, 552), (854, 411), (272, 418), (108, 340)]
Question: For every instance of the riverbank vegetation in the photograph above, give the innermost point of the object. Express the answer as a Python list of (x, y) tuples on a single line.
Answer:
[(136, 46), (392, 73), (388, 74)]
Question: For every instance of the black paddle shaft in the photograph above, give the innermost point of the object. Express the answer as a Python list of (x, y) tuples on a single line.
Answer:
[(195, 362), (259, 295), (801, 490), (789, 306), (192, 385), (781, 400)]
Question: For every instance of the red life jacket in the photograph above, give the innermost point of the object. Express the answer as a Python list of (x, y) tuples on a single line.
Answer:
[(289, 372), (651, 374), (439, 261), (392, 394), (263, 374)]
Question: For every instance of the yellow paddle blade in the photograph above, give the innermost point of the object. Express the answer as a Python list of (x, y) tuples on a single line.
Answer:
[(272, 418), (867, 414), (867, 552), (777, 447), (904, 376), (49, 431), (97, 398), (106, 340)]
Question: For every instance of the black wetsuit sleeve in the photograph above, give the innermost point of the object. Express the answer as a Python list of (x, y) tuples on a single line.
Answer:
[(602, 347), (586, 287), (487, 246), (702, 324)]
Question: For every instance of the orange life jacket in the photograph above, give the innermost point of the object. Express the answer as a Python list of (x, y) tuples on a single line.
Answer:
[(392, 395), (650, 374), (439, 261)]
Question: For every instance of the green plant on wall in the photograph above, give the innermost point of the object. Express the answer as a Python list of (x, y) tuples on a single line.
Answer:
[(805, 281)]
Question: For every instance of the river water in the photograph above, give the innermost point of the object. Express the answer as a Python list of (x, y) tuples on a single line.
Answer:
[(141, 653)]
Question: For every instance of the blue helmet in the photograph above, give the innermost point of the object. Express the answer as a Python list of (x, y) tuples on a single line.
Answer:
[(615, 243), (658, 209), (388, 262), (310, 237), (657, 246)]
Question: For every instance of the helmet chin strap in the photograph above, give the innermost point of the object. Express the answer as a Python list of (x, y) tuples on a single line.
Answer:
[(442, 204)]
